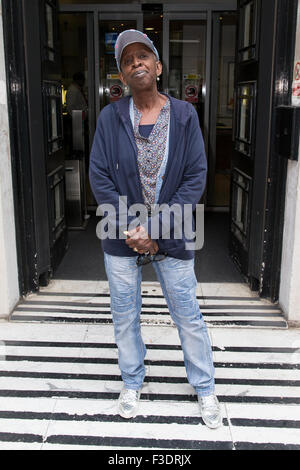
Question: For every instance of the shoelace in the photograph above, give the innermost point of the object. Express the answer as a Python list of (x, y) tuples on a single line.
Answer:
[(129, 396), (210, 402)]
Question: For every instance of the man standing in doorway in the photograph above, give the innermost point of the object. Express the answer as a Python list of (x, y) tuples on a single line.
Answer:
[(75, 98), (149, 148)]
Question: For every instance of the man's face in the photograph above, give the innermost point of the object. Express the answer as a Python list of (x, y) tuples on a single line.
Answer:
[(139, 67)]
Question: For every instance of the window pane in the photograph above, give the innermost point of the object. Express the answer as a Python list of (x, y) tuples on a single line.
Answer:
[(187, 62), (244, 119), (226, 29), (49, 18), (240, 206), (111, 88), (248, 28), (248, 31), (54, 119), (245, 116), (57, 202)]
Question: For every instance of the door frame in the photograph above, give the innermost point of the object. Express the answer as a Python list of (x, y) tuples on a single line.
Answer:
[(275, 45), (14, 51), (18, 100), (170, 11), (283, 65)]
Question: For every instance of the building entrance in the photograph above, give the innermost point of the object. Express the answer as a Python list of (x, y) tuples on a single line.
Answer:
[(232, 60), (69, 59), (191, 72)]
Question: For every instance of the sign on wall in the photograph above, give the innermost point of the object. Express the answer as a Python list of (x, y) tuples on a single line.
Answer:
[(191, 84), (296, 84)]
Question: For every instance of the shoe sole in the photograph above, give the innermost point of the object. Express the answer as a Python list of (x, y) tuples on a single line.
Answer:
[(127, 417), (210, 426)]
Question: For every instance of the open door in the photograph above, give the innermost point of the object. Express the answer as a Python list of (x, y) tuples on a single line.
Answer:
[(258, 173), (245, 153)]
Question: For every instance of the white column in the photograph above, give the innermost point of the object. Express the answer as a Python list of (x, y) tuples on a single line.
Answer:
[(289, 295), (9, 288)]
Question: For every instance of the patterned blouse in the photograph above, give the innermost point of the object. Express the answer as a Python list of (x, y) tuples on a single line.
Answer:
[(151, 151)]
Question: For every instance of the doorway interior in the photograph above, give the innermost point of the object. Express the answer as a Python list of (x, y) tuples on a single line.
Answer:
[(197, 48)]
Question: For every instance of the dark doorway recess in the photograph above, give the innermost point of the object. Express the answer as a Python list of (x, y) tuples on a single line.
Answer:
[(84, 259)]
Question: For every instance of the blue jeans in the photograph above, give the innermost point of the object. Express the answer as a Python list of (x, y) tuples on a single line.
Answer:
[(178, 282)]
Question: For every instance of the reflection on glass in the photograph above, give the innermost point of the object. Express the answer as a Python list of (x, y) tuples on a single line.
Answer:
[(52, 94), (244, 120), (226, 24), (111, 88), (50, 31), (246, 90), (245, 113), (240, 209), (249, 31), (57, 204), (187, 62), (75, 74), (248, 24), (54, 134)]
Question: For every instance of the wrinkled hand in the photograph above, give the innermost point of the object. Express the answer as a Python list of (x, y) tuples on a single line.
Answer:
[(139, 240)]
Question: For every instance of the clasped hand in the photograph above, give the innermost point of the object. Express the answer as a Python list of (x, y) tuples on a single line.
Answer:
[(139, 240)]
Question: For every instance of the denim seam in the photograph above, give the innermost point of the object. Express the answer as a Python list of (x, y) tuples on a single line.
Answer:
[(204, 392), (165, 290), (138, 290), (135, 295), (138, 314), (208, 357), (173, 316)]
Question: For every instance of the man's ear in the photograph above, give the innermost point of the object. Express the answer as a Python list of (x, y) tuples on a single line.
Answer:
[(158, 68), (122, 79)]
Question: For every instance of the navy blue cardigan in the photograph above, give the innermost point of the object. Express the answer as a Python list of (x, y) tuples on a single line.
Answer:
[(114, 169)]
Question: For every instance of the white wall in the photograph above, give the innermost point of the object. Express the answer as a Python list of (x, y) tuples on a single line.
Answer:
[(9, 289), (289, 296)]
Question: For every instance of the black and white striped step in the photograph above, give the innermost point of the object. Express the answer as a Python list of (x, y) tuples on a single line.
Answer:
[(69, 307), (59, 385)]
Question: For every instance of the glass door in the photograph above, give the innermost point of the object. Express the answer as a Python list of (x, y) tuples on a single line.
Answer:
[(224, 25), (186, 43), (110, 26), (185, 59), (181, 42), (77, 71)]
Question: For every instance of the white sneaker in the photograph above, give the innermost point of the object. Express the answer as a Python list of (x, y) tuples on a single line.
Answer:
[(128, 402), (210, 411)]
